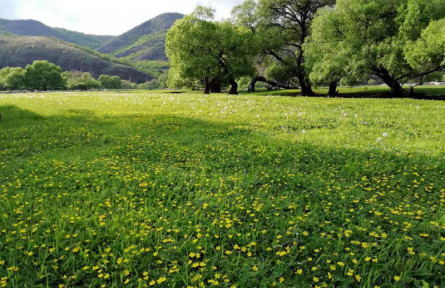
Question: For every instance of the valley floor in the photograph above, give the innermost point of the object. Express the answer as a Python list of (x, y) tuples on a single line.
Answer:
[(139, 189)]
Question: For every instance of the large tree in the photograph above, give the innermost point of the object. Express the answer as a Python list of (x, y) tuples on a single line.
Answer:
[(282, 26), (206, 52), (42, 75), (395, 40)]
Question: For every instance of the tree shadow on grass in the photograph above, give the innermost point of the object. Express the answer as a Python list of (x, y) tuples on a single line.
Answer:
[(329, 185), (13, 113)]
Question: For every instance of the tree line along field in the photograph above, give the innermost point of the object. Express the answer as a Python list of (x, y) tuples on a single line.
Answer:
[(137, 189)]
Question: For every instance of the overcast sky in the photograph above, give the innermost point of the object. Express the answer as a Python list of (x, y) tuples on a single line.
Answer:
[(105, 17)]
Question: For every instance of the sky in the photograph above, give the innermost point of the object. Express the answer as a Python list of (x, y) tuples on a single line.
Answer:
[(103, 17)]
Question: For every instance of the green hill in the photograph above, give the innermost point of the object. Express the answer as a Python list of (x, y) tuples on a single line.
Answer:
[(19, 51), (144, 42), (36, 28)]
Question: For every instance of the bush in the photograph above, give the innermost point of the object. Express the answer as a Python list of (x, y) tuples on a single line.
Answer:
[(125, 84), (81, 81), (108, 82), (12, 78), (150, 85)]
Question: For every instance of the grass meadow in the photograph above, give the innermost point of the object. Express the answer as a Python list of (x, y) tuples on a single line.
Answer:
[(139, 189)]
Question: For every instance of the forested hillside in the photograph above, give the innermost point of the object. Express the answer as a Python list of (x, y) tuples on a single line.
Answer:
[(36, 28), (144, 42), (19, 51)]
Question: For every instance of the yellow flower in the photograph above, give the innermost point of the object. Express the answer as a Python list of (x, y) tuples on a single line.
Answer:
[(254, 268), (397, 278), (161, 280)]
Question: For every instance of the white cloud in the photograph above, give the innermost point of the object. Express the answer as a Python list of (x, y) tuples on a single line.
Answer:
[(106, 17)]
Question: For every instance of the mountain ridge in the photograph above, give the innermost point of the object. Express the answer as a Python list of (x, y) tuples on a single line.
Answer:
[(145, 41), (30, 27)]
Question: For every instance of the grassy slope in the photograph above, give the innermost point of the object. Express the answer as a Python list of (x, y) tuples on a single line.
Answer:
[(144, 42), (104, 187)]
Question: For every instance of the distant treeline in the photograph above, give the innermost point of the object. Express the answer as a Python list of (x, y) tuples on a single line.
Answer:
[(43, 76)]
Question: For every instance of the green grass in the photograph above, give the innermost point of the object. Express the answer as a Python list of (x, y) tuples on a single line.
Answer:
[(114, 189)]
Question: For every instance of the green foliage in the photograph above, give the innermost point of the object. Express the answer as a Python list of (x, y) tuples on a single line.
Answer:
[(163, 80), (125, 84), (428, 51), (113, 82), (434, 77), (144, 42), (81, 81), (12, 78), (184, 190), (281, 28), (201, 50), (42, 75), (151, 85), (397, 40)]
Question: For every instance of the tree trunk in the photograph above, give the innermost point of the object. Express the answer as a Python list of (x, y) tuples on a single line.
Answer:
[(333, 89), (206, 85), (215, 86), (234, 86), (396, 89), (306, 90), (252, 84)]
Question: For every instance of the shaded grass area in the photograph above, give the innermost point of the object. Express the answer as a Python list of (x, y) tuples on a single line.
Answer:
[(432, 92), (141, 189)]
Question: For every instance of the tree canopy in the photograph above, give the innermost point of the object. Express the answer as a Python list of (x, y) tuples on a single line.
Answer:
[(110, 82), (42, 75), (395, 40), (208, 52), (282, 27)]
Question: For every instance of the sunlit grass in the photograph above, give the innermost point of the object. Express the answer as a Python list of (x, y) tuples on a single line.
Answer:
[(138, 189)]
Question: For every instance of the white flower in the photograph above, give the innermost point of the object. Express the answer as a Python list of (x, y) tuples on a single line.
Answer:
[(379, 139), (303, 131), (355, 115), (385, 134)]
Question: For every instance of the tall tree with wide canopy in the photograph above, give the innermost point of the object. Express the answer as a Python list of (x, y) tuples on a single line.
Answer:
[(204, 51), (395, 40), (292, 20)]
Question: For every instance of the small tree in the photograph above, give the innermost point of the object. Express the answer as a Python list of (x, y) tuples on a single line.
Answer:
[(42, 75), (15, 79)]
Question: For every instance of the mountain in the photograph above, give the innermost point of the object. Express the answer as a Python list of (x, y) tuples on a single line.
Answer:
[(36, 28), (144, 42), (19, 51)]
